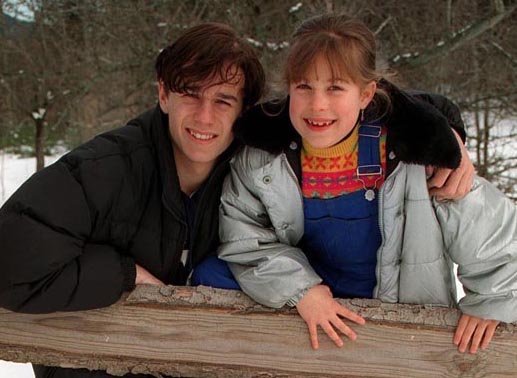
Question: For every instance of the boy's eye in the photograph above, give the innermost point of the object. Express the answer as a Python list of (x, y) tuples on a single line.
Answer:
[(223, 102)]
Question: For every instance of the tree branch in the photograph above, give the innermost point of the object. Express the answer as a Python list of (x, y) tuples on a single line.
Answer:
[(457, 40)]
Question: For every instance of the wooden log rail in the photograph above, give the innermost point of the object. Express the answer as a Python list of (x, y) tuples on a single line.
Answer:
[(205, 332)]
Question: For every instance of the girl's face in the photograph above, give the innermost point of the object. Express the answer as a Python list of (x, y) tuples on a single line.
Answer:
[(323, 110)]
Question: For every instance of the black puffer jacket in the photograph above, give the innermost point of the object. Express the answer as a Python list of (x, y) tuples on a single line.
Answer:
[(70, 236)]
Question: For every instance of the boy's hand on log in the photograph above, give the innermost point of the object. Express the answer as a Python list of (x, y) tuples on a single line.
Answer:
[(476, 331), (451, 184), (144, 277), (319, 308)]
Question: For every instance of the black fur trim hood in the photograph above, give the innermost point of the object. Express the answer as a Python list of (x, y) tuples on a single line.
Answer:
[(419, 127)]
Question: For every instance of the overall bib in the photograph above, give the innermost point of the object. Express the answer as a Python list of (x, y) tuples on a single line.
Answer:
[(342, 234)]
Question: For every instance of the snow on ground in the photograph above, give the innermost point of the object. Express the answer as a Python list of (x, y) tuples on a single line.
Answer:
[(13, 370), (14, 171)]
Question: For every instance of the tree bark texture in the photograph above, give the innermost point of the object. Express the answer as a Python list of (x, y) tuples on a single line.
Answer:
[(40, 144), (205, 332)]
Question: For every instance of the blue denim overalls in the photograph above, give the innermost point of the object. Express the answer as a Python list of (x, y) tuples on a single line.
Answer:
[(342, 234)]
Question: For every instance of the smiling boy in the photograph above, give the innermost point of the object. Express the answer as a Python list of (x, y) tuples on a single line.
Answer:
[(125, 208)]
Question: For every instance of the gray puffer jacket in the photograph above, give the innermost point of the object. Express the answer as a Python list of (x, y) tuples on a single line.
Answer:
[(261, 223)]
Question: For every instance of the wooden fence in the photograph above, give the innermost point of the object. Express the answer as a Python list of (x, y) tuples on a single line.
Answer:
[(205, 332)]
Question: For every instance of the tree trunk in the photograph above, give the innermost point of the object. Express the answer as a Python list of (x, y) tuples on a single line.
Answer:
[(39, 144), (486, 137)]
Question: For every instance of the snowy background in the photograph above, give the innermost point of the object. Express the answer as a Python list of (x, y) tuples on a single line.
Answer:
[(12, 370)]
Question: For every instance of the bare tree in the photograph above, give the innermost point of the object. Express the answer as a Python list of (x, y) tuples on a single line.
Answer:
[(88, 66)]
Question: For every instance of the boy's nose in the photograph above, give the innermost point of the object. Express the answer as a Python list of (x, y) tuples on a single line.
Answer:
[(205, 113)]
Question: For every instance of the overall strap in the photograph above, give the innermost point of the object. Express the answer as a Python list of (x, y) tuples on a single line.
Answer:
[(369, 160)]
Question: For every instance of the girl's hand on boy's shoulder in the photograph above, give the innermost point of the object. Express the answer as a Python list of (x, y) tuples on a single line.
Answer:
[(319, 309), (476, 331)]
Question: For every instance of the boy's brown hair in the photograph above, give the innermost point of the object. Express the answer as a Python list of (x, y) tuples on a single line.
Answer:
[(210, 51)]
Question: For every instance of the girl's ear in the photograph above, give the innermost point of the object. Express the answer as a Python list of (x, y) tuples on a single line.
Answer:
[(367, 93), (163, 96)]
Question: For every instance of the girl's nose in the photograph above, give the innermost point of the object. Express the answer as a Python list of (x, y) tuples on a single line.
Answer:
[(319, 101)]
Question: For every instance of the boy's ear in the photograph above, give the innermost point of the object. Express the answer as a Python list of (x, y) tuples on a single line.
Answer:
[(163, 96), (367, 93)]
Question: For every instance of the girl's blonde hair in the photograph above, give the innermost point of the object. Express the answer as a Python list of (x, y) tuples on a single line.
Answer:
[(348, 46)]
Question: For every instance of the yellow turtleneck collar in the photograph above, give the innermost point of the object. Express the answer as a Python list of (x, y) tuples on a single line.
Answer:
[(346, 146)]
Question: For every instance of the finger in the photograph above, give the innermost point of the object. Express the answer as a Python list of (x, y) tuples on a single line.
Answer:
[(350, 315), (462, 324), (449, 190), (313, 333), (489, 333), (478, 335), (439, 178), (466, 182), (329, 330), (467, 335), (344, 329)]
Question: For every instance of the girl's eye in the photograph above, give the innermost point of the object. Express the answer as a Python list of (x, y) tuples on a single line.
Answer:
[(303, 86), (335, 88)]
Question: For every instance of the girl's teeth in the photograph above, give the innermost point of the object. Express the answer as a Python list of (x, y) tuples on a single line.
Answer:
[(314, 123)]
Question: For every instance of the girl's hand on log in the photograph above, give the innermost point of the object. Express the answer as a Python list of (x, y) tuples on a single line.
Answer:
[(144, 277), (474, 330), (319, 308)]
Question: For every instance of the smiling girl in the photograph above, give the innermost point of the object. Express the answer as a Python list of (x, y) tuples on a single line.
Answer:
[(334, 202)]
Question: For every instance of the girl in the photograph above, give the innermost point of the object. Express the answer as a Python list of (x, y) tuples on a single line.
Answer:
[(334, 201)]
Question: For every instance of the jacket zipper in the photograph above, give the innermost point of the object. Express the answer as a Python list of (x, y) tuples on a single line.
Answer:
[(381, 228), (215, 174), (175, 214), (293, 175)]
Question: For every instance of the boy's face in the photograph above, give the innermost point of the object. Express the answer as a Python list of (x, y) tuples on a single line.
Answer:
[(323, 109), (200, 121)]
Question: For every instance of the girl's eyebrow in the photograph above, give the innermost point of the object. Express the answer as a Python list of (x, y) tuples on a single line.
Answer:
[(338, 79)]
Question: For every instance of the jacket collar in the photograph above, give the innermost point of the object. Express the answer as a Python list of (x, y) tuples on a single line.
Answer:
[(155, 125), (418, 132)]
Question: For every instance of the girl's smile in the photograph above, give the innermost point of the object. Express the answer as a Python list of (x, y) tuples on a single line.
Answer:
[(324, 109)]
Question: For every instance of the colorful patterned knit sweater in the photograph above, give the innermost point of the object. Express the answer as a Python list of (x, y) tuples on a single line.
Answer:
[(331, 172)]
